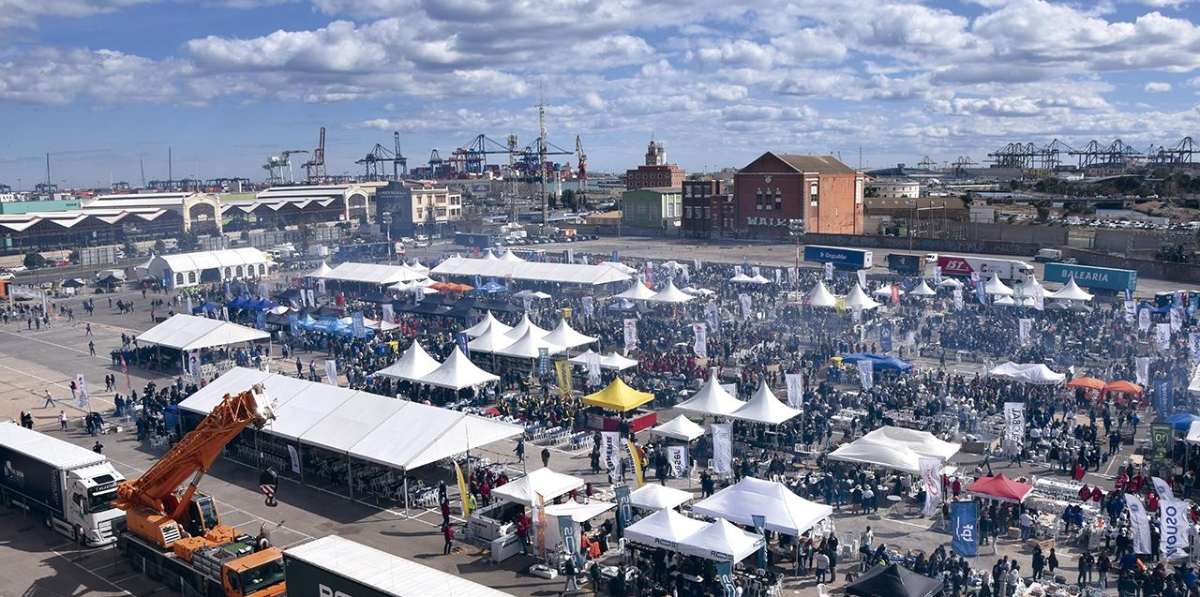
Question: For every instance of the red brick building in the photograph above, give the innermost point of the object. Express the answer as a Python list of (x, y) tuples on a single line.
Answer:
[(776, 189), (704, 204), (655, 172)]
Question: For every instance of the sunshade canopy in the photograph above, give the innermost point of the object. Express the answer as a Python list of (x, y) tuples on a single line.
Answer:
[(374, 273), (1182, 421), (670, 294), (529, 345), (785, 511), (616, 362), (567, 273), (320, 271), (665, 528), (680, 428), (413, 365), (885, 291), (858, 298), (1193, 435), (458, 372), (765, 407), (1001, 488), (1123, 387), (187, 332), (525, 326), (618, 396), (894, 580), (579, 512), (565, 335), (1027, 373), (923, 289), (636, 292), (653, 496), (1090, 383), (721, 542), (895, 448), (996, 287), (1072, 292), (711, 399), (880, 362), (543, 482)]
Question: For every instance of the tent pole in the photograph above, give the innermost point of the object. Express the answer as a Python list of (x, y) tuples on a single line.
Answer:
[(350, 476), (406, 493)]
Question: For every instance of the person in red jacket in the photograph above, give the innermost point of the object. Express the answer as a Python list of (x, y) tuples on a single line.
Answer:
[(448, 533), (1151, 502), (1097, 494)]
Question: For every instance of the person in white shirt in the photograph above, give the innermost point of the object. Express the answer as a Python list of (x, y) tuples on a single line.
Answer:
[(867, 537)]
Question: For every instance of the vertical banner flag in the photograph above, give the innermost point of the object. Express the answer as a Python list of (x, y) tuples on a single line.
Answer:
[(856, 313), (714, 319), (778, 276), (737, 270), (1160, 444), (624, 509), (1162, 336), (194, 362), (885, 336), (563, 370), (895, 288), (981, 292), (937, 275), (1164, 396), (1176, 319), (464, 343), (1131, 311), (679, 461), (616, 256), (570, 255), (543, 364), (125, 370), (828, 272), (630, 334), (636, 459), (1144, 320), (696, 264), (1142, 374), (569, 532), (331, 375), (1024, 325), (1174, 531), (1139, 523), (312, 299), (358, 324), (419, 295), (760, 527), (527, 302), (866, 373), (1039, 297), (1014, 422), (540, 516), (756, 272), (190, 311), (463, 490), (744, 299), (294, 325), (725, 577), (931, 476), (589, 306), (1162, 488), (793, 275), (294, 457), (795, 389), (965, 516), (260, 319), (958, 299), (592, 360), (82, 400), (722, 437), (700, 344), (610, 442), (862, 278), (1194, 346)]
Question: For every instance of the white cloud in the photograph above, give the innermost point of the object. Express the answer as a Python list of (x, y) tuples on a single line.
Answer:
[(1157, 87)]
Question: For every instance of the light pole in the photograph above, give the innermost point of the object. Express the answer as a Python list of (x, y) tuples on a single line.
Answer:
[(387, 223), (796, 229)]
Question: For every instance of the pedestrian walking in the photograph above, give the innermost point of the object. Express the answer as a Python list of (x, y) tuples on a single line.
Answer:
[(88, 330), (448, 534), (569, 571), (49, 400), (62, 420), (91, 348), (545, 456), (520, 450)]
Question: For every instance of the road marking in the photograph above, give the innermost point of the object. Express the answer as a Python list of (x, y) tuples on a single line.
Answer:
[(80, 566)]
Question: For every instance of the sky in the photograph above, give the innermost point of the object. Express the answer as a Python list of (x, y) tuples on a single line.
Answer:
[(108, 87)]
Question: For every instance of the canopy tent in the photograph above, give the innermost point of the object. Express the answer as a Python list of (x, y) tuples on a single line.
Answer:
[(374, 273), (881, 362), (722, 542), (533, 294), (511, 257), (524, 326), (636, 292), (1182, 421), (529, 346), (820, 296), (417, 266), (711, 399), (566, 273), (543, 482), (1072, 292), (680, 428), (765, 408), (653, 496), (885, 291), (565, 335), (742, 279), (321, 271), (950, 283), (492, 287), (1005, 301), (1027, 373), (670, 294), (785, 511), (1121, 387), (616, 362), (895, 448), (923, 289), (1001, 488), (491, 340), (618, 396), (858, 298), (458, 372), (188, 332), (894, 580), (383, 430), (698, 291), (579, 512), (617, 265), (996, 287), (1090, 383), (413, 365), (759, 279), (665, 528), (1193, 434)]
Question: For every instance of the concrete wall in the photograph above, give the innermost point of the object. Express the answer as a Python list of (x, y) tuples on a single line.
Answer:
[(939, 245), (1120, 241)]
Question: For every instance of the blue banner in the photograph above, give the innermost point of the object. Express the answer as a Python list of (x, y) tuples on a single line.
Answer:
[(478, 281), (964, 517), (294, 325), (981, 292), (358, 325), (616, 256), (885, 337), (543, 361), (725, 577), (261, 320), (1164, 396), (1128, 294), (624, 509), (461, 339), (760, 527), (569, 531), (1193, 304)]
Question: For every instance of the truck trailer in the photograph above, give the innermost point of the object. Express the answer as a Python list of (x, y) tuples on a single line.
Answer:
[(1007, 269), (71, 487), (911, 265), (1094, 278), (851, 259)]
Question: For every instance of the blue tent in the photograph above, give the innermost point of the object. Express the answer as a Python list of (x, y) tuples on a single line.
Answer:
[(1153, 309), (492, 287), (241, 302), (882, 362), (262, 305), (1182, 421), (307, 323), (206, 307), (326, 324)]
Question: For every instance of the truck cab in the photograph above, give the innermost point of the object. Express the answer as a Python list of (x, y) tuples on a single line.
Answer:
[(90, 492)]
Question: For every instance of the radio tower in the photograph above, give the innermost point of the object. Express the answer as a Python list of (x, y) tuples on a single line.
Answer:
[(541, 150)]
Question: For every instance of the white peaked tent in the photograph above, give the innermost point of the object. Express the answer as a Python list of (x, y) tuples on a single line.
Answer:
[(458, 372), (681, 428), (1072, 292), (526, 347), (417, 266), (508, 255), (413, 365), (741, 278), (759, 279), (524, 327), (537, 294), (616, 362), (1027, 373), (492, 340), (665, 528), (785, 511), (565, 335), (885, 291), (489, 256), (636, 292), (722, 542), (653, 496), (820, 296), (1193, 434), (1005, 301), (320, 271), (670, 294), (995, 287), (950, 283), (543, 482), (895, 448), (188, 332), (489, 320), (764, 407), (711, 399), (923, 289), (617, 265), (859, 298)]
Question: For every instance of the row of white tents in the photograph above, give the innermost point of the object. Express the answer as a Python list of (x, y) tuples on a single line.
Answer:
[(713, 399), (525, 340), (456, 373)]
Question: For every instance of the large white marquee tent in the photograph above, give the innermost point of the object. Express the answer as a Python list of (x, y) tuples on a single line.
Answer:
[(785, 512), (188, 332), (517, 269)]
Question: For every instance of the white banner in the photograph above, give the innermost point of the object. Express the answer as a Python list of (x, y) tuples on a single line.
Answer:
[(1139, 523), (1130, 311), (862, 278), (189, 305), (937, 275), (331, 374), (589, 306), (793, 275), (795, 389), (755, 271), (1143, 371), (1162, 335), (778, 276), (828, 272), (82, 400), (1176, 319), (722, 435), (194, 366), (1162, 489), (700, 344), (866, 373), (389, 313), (1039, 297), (1194, 346), (856, 313), (592, 360), (1014, 422), (631, 338), (678, 456), (713, 316), (1024, 326), (1174, 530), (526, 302), (737, 270), (294, 456), (312, 299), (744, 299), (1144, 320), (697, 264), (610, 451), (931, 476), (958, 299)]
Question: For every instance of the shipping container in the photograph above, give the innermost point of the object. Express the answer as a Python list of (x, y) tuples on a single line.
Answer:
[(911, 265), (851, 259), (1095, 278)]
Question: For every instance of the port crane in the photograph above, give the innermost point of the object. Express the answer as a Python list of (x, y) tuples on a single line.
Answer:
[(380, 155), (173, 532), (314, 169), (279, 168)]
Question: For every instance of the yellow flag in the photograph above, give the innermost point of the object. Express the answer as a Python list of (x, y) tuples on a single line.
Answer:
[(463, 491), (637, 462), (563, 369)]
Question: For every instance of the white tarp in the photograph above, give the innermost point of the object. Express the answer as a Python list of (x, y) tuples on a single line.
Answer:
[(721, 542), (414, 364), (785, 511), (896, 448), (187, 332), (1027, 373), (681, 428), (458, 372), (765, 407), (653, 496), (665, 528), (567, 273), (542, 481), (711, 399), (374, 273)]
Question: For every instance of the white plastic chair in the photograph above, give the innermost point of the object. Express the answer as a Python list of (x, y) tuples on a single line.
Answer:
[(821, 591)]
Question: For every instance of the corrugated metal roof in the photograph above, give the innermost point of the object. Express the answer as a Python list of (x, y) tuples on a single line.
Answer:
[(821, 164), (46, 448), (386, 572)]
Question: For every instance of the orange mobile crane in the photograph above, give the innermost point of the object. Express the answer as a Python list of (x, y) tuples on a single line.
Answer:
[(173, 533)]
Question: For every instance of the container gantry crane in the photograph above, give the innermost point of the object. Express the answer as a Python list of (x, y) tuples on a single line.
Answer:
[(314, 169)]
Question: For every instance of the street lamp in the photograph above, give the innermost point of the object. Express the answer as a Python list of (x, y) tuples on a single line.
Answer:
[(796, 229), (387, 223)]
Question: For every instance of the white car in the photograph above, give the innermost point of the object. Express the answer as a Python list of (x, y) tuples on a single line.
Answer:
[(421, 244), (17, 268), (406, 240), (7, 276)]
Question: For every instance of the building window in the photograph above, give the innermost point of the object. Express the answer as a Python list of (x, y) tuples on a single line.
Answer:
[(179, 279), (687, 212), (191, 277), (778, 199), (706, 212), (262, 269), (858, 191), (812, 192), (228, 273), (758, 199), (238, 271)]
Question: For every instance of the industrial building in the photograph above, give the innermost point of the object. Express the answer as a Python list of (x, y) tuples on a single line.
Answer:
[(893, 188), (707, 205), (304, 204), (650, 209), (655, 172), (419, 207), (199, 212), (775, 191)]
